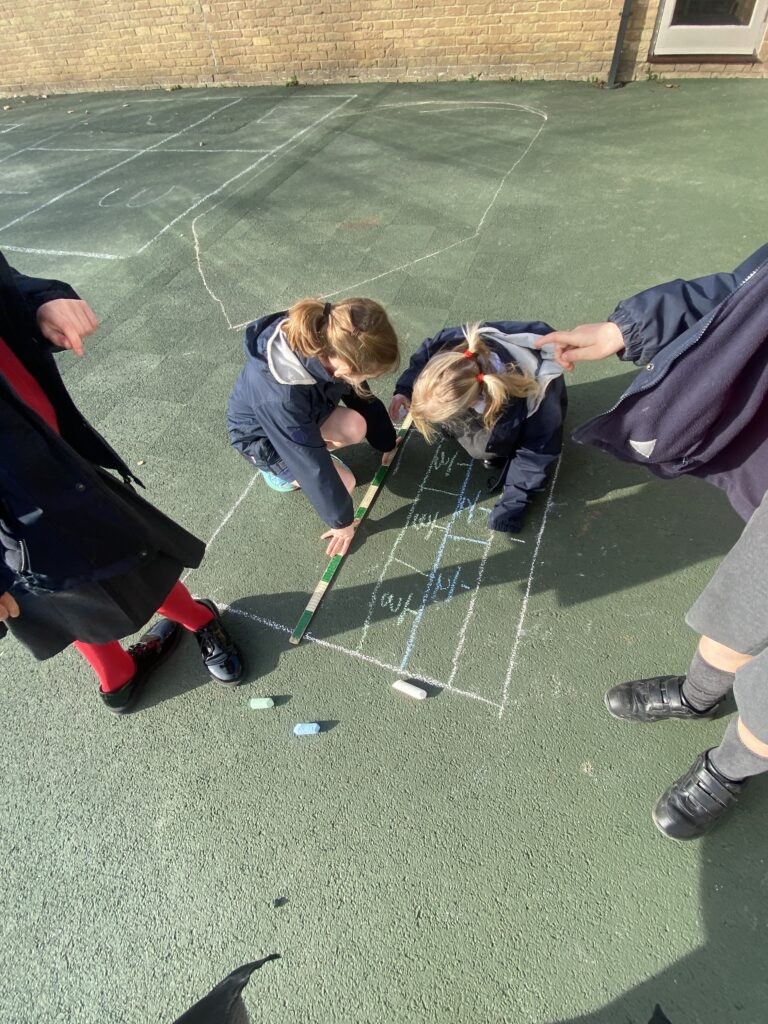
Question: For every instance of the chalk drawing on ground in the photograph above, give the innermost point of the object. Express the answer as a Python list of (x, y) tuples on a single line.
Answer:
[(437, 596), (386, 204), (162, 182)]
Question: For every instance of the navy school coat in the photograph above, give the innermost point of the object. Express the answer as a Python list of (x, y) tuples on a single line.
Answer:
[(275, 411), (700, 405), (58, 525), (530, 442)]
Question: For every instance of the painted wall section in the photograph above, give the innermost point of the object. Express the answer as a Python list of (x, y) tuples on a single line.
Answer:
[(71, 45)]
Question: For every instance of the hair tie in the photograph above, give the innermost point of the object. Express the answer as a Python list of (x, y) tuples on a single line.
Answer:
[(480, 378), (469, 354), (327, 310)]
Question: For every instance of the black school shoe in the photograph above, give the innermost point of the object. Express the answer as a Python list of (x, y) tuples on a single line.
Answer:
[(150, 651), (220, 653), (696, 801), (652, 700)]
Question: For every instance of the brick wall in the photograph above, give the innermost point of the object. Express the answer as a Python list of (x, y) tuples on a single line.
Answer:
[(67, 45)]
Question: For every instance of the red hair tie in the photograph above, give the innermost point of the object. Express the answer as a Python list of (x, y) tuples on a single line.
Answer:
[(480, 378), (469, 354)]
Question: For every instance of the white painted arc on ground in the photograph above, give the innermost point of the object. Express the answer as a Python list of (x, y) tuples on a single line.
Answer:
[(456, 105)]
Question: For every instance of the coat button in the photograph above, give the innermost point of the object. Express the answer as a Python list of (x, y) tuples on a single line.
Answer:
[(649, 366), (79, 487)]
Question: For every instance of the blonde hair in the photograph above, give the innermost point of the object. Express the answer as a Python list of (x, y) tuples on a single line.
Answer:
[(453, 381), (355, 330)]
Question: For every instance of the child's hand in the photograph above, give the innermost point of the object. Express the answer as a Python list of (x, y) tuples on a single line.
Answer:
[(387, 457), (340, 539), (589, 341), (65, 322), (8, 607), (398, 407)]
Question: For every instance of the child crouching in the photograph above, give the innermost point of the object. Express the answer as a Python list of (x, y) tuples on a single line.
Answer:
[(283, 416), (499, 396)]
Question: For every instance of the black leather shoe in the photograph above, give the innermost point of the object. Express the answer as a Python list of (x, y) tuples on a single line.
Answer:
[(220, 653), (149, 652), (696, 802), (492, 463), (652, 700)]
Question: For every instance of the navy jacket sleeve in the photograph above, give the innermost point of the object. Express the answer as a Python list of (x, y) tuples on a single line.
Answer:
[(299, 443), (36, 291), (653, 318), (379, 433), (541, 441)]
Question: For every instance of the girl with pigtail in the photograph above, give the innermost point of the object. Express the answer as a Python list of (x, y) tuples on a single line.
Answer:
[(284, 415), (502, 398)]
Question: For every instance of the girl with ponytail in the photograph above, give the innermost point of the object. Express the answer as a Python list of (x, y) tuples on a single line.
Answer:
[(502, 398), (284, 415)]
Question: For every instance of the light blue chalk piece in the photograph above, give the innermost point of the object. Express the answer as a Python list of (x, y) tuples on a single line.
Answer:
[(306, 729), (259, 703)]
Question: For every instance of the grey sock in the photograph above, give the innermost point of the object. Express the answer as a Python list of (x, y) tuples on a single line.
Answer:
[(705, 685), (735, 761)]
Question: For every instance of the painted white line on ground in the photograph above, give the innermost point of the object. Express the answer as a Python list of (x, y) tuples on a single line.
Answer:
[(529, 584), (403, 266), (121, 163), (34, 145), (438, 252), (282, 149), (84, 149), (62, 252)]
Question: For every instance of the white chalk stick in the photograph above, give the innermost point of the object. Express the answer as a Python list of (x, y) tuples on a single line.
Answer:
[(409, 689)]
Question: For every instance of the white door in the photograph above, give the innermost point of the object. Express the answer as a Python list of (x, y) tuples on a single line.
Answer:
[(711, 27)]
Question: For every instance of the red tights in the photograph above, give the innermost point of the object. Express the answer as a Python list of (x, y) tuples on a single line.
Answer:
[(114, 666)]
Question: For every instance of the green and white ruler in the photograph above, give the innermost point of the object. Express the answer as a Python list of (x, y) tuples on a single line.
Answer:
[(335, 562)]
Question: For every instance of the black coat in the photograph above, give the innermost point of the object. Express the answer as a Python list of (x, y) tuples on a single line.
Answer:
[(700, 405), (60, 526)]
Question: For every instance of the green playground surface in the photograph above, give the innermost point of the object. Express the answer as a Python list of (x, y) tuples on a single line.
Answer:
[(485, 856)]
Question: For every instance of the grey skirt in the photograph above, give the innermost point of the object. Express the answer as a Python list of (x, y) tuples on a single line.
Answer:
[(733, 607), (113, 608)]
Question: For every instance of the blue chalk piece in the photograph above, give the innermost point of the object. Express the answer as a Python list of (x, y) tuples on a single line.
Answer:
[(306, 729)]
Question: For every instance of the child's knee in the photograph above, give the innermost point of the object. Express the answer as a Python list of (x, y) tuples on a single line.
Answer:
[(355, 427)]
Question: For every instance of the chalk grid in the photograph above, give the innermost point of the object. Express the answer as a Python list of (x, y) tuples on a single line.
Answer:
[(444, 519), (145, 207)]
